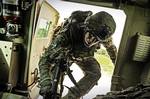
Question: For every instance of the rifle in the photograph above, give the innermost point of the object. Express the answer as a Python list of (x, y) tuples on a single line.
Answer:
[(61, 67)]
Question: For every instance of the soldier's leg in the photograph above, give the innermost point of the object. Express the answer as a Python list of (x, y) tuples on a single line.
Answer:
[(92, 73)]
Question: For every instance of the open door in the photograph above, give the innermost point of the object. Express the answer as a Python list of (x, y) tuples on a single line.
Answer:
[(45, 22)]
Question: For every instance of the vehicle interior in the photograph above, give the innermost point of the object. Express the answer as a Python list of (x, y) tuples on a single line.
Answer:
[(20, 51)]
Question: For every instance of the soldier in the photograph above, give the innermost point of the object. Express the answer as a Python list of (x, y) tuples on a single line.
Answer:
[(81, 34)]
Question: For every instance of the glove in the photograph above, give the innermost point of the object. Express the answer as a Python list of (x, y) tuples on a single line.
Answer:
[(45, 86), (44, 90)]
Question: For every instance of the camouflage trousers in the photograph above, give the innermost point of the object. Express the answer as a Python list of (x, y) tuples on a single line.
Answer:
[(92, 73)]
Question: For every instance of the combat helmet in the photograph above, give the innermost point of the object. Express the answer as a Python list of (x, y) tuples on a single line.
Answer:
[(101, 25), (80, 16)]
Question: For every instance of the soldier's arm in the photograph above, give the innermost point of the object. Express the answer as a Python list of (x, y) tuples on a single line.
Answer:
[(44, 68), (47, 58), (111, 49)]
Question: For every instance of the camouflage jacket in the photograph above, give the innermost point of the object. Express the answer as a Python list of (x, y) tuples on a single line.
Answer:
[(62, 44), (68, 42), (70, 38)]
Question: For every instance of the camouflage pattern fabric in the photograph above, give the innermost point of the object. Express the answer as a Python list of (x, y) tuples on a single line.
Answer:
[(91, 70), (111, 48), (62, 42), (70, 39), (48, 60)]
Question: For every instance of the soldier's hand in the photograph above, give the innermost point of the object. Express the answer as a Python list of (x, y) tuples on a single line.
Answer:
[(44, 90), (45, 86)]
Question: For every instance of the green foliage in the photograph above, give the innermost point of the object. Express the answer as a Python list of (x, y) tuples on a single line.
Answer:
[(104, 60)]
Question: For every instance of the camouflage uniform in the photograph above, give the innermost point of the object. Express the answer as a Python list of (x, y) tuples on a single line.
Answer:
[(111, 48), (72, 40)]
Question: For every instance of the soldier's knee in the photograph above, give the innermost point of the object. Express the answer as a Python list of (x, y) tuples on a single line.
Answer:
[(95, 76), (98, 75)]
